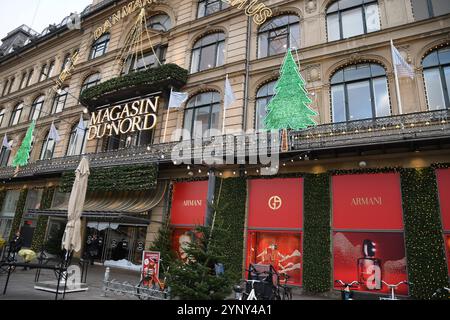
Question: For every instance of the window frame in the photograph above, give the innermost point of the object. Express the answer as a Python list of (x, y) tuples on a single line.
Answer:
[(440, 67), (45, 147), (160, 51), (211, 105), (5, 87), (74, 135), (2, 116), (11, 84), (222, 6), (200, 49), (86, 85), (17, 108), (345, 84), (57, 100), (259, 97), (339, 12), (431, 13), (30, 75), (38, 102), (158, 23), (101, 45), (5, 154)]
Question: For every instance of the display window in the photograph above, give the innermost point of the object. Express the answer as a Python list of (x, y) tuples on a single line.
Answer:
[(275, 224), (443, 179), (368, 239), (189, 203), (447, 248)]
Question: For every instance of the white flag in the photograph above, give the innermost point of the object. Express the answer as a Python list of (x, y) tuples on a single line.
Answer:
[(177, 99), (6, 143), (53, 134), (81, 128), (230, 98), (403, 68)]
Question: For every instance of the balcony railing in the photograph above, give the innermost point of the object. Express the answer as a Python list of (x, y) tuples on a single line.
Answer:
[(432, 125)]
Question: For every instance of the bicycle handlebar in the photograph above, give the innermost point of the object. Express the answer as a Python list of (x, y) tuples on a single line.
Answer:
[(347, 284), (396, 285)]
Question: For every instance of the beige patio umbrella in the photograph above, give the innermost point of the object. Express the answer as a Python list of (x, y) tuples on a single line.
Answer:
[(72, 234)]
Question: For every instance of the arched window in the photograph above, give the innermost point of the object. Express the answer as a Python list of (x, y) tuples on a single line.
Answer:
[(91, 81), (66, 62), (2, 116), (140, 62), (130, 140), (77, 141), (59, 100), (5, 154), (160, 22), (17, 112), (263, 97), (48, 148), (360, 92), (425, 9), (202, 113), (36, 108), (278, 35), (207, 7), (349, 18), (208, 52), (5, 87), (100, 47), (436, 71)]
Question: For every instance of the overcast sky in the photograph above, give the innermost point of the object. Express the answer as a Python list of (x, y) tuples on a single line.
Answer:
[(37, 14)]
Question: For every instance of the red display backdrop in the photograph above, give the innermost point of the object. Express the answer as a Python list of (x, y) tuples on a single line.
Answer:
[(276, 203), (447, 246), (181, 237), (367, 202), (281, 250), (352, 259), (189, 203), (443, 177)]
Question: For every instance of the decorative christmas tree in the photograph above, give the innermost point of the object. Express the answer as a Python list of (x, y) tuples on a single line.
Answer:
[(289, 108), (23, 154)]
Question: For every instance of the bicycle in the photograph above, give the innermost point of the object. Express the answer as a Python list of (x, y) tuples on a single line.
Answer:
[(393, 287), (260, 285), (346, 293), (287, 291), (441, 291)]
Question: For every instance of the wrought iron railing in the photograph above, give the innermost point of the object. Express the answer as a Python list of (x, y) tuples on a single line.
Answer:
[(404, 128)]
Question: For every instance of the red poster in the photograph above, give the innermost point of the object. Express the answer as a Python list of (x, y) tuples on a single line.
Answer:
[(281, 250), (367, 202), (189, 203), (276, 203), (447, 247), (181, 238), (150, 267), (443, 177), (370, 258)]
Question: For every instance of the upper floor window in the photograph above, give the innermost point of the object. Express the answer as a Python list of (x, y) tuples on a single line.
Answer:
[(202, 114), (77, 141), (11, 85), (2, 116), (130, 140), (278, 35), (5, 153), (51, 68), (44, 73), (360, 92), (100, 47), (91, 81), (436, 72), (48, 148), (140, 62), (30, 75), (66, 62), (5, 87), (207, 7), (349, 18), (263, 97), (17, 112), (36, 108), (23, 81), (424, 9), (160, 22), (60, 99), (208, 52)]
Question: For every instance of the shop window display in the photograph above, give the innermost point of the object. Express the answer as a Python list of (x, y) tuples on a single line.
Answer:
[(443, 179), (368, 240)]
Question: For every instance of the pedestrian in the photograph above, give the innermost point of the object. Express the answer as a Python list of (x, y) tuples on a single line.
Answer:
[(93, 248), (15, 245)]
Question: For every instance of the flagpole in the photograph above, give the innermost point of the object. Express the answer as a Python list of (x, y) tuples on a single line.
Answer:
[(167, 119), (397, 83), (224, 108)]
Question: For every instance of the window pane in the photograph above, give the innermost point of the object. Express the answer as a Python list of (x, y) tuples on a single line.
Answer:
[(333, 27), (195, 60), (201, 9), (372, 18), (215, 120), (447, 81), (208, 58), (338, 77), (377, 70), (294, 36), (352, 23), (380, 92), (188, 122), (444, 55), (201, 121), (344, 4), (278, 42), (261, 112), (360, 71), (440, 7), (262, 45), (220, 54), (435, 93), (420, 9), (338, 103), (359, 104), (431, 60)]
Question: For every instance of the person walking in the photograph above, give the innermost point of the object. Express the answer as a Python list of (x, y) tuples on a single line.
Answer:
[(15, 245), (93, 249)]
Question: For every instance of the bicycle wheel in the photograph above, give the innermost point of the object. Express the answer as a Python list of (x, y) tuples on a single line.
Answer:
[(287, 294)]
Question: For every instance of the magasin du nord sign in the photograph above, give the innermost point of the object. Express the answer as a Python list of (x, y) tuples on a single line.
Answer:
[(136, 116)]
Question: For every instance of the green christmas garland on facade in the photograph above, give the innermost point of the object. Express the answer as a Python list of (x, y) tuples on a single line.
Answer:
[(122, 178), (427, 267), (41, 225), (20, 208), (316, 236)]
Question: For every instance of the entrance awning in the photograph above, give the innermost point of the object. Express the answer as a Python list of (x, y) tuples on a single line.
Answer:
[(126, 207)]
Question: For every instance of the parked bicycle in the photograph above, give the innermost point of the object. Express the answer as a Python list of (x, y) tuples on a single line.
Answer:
[(441, 291), (346, 292), (393, 287), (262, 283), (286, 291)]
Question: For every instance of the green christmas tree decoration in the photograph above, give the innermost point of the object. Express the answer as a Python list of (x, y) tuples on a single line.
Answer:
[(23, 154), (289, 107)]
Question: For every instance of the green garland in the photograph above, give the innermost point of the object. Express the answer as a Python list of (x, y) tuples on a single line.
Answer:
[(317, 267), (123, 178), (20, 208), (427, 265), (152, 78), (41, 226)]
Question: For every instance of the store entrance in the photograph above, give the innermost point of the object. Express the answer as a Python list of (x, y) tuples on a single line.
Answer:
[(115, 242)]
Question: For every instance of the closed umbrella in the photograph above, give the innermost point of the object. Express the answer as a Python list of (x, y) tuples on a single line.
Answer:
[(72, 234)]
